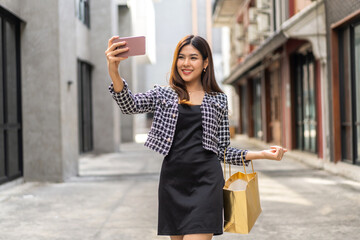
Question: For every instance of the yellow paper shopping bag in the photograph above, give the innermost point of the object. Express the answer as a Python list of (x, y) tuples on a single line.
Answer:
[(242, 205)]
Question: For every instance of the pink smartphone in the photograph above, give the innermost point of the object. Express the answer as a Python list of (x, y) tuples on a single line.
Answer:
[(136, 46)]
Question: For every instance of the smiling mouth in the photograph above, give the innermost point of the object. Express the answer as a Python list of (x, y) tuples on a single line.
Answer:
[(186, 72)]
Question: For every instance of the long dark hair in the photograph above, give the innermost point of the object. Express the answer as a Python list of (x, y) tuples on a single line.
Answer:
[(208, 80)]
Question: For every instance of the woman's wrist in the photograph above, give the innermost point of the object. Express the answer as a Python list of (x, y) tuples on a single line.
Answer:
[(118, 83), (114, 75), (252, 155)]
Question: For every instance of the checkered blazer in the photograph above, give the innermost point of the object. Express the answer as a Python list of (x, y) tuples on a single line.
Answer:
[(163, 102)]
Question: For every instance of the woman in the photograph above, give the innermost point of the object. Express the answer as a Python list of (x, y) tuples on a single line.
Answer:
[(191, 128)]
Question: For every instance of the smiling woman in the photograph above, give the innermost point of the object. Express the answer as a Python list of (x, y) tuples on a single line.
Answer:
[(191, 65), (191, 129), (193, 70)]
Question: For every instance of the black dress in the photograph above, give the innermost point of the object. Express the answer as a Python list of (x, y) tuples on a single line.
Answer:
[(191, 181)]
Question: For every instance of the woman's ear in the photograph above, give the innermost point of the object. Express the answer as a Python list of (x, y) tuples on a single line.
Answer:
[(206, 62)]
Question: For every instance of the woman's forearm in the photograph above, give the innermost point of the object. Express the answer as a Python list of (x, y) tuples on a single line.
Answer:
[(274, 153), (118, 83), (252, 155)]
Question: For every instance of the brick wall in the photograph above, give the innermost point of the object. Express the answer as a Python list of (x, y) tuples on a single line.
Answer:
[(338, 9), (335, 11)]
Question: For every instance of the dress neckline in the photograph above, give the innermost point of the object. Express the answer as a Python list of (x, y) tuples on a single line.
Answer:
[(191, 105)]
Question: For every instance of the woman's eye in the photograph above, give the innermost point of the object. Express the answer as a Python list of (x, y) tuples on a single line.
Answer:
[(180, 57), (193, 58)]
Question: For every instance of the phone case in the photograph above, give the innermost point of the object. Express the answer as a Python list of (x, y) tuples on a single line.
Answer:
[(136, 46)]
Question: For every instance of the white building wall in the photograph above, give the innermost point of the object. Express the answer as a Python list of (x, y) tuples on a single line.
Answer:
[(52, 40), (49, 115), (173, 22)]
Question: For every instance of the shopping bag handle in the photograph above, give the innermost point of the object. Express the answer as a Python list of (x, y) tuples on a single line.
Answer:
[(242, 159), (225, 166)]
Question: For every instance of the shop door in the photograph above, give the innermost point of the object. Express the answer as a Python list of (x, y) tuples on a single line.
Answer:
[(85, 107), (10, 99), (356, 75), (305, 105), (349, 71)]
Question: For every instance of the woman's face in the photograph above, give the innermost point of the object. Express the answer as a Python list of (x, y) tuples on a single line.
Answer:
[(190, 64)]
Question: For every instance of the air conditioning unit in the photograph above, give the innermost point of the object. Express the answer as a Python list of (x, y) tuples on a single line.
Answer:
[(239, 48), (252, 14), (239, 31), (263, 21), (262, 4), (253, 35)]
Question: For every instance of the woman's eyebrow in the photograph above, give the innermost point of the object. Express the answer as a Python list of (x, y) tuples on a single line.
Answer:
[(193, 54)]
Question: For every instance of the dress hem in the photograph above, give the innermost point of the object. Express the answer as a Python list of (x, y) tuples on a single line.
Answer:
[(206, 231)]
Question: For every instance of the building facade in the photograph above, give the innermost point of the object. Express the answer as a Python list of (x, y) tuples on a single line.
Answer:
[(54, 102), (343, 50), (287, 75)]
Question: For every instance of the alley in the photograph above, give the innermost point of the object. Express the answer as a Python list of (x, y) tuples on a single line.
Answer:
[(116, 198)]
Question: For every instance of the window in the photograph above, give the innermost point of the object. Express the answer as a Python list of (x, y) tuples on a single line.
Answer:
[(85, 107), (243, 113), (256, 111), (349, 76), (10, 99), (83, 11), (305, 102)]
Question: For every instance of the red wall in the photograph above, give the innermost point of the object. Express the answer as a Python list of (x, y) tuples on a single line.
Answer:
[(319, 129)]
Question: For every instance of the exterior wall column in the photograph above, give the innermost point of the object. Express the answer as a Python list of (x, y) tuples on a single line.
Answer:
[(48, 73), (311, 27), (287, 102), (41, 94), (106, 114)]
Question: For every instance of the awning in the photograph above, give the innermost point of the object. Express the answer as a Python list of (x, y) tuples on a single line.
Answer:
[(308, 24), (271, 44), (224, 11)]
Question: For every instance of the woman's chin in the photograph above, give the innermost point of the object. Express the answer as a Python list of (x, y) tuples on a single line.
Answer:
[(188, 79)]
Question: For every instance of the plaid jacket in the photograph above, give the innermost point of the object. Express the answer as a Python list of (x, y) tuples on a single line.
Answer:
[(163, 102)]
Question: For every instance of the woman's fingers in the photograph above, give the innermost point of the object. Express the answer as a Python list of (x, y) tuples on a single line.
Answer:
[(278, 152), (120, 50), (116, 59), (116, 52), (116, 45), (115, 49), (110, 42), (275, 147)]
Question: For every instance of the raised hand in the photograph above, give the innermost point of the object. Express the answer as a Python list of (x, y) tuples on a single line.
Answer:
[(111, 52)]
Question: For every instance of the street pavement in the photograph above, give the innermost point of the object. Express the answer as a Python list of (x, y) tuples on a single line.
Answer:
[(115, 198)]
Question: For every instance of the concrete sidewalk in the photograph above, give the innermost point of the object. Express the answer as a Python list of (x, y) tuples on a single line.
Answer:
[(115, 197)]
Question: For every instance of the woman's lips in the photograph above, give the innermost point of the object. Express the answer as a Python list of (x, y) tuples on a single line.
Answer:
[(187, 72)]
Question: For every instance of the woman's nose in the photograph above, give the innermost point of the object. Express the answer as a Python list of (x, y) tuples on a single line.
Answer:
[(186, 62)]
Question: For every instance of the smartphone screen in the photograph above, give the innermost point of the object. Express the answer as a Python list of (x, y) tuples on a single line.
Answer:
[(136, 46)]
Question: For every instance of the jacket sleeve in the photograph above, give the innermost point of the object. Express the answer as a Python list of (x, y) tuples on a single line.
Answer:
[(232, 155), (130, 103)]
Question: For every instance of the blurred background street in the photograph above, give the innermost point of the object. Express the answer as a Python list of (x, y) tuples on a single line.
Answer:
[(115, 197), (73, 167)]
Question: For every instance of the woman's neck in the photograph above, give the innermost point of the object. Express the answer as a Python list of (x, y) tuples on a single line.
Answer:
[(194, 86)]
